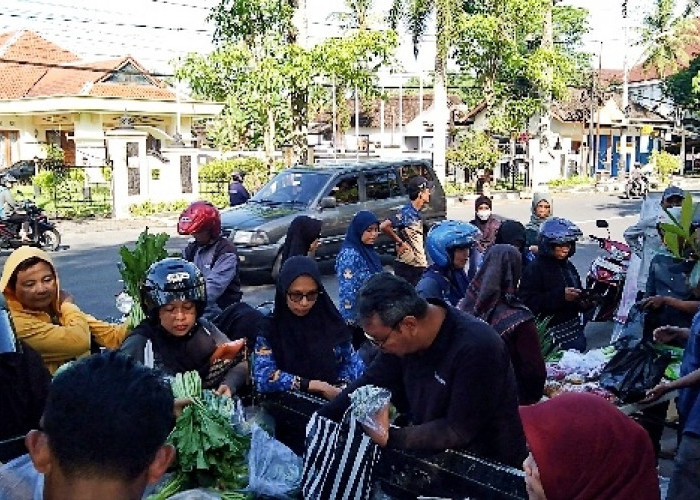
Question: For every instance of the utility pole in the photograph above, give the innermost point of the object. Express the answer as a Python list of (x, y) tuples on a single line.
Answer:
[(625, 93)]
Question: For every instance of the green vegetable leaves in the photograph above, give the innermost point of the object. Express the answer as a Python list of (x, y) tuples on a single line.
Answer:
[(150, 248)]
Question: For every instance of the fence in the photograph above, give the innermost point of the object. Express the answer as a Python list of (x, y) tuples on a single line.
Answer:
[(76, 194)]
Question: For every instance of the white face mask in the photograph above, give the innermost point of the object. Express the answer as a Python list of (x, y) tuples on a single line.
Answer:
[(483, 214)]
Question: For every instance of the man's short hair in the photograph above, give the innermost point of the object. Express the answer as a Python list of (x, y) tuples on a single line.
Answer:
[(107, 416), (391, 298)]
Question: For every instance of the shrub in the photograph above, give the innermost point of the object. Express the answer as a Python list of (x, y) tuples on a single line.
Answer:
[(150, 208)]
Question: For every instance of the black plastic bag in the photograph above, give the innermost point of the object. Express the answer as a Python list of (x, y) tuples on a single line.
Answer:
[(634, 369), (634, 325)]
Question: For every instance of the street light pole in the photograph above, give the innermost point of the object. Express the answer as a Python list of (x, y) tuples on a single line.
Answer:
[(625, 92)]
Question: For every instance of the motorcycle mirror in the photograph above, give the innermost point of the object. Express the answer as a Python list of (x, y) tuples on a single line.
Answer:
[(602, 223)]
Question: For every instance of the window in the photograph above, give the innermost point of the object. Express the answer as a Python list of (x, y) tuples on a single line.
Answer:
[(346, 191), (128, 74), (382, 185), (409, 171)]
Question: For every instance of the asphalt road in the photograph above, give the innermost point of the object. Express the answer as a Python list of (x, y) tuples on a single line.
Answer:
[(88, 267)]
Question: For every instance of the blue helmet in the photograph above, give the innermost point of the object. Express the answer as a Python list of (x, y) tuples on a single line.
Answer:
[(558, 230), (445, 236)]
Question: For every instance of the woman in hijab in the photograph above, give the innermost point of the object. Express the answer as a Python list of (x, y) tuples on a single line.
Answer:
[(491, 297), (513, 233), (583, 448), (356, 261), (485, 222), (302, 237), (305, 345), (541, 211)]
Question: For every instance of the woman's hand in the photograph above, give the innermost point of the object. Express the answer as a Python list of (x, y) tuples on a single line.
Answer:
[(323, 389), (180, 404), (654, 302), (571, 294), (224, 390), (380, 432)]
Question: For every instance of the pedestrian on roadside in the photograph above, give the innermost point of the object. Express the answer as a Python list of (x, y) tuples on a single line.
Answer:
[(45, 316), (237, 193), (488, 224), (305, 345), (356, 261), (405, 228), (492, 297), (303, 237), (583, 448), (551, 285), (448, 244), (541, 211), (644, 239)]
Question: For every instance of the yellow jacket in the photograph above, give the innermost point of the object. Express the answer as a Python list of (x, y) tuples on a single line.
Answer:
[(57, 343)]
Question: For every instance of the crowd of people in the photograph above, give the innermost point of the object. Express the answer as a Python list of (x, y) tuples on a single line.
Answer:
[(452, 334)]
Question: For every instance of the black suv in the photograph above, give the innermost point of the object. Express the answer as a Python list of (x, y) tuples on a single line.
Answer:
[(333, 193)]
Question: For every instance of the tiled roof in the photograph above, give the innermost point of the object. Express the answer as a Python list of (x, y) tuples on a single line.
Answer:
[(49, 70), (577, 108)]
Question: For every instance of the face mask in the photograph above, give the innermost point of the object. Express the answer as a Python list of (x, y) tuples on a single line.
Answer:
[(483, 214)]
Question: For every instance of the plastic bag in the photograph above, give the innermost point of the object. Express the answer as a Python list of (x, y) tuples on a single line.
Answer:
[(634, 324), (273, 469), (366, 402), (635, 368), (629, 291), (19, 479)]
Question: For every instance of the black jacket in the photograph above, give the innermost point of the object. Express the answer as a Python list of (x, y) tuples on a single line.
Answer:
[(459, 393), (542, 288)]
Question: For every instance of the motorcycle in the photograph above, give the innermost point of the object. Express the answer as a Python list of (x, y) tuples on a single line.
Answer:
[(42, 232), (606, 275), (637, 187)]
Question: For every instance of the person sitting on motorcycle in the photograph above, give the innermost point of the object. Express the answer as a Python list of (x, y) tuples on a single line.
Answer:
[(45, 316), (551, 285), (174, 296), (237, 193), (448, 245), (214, 255), (643, 237), (9, 208)]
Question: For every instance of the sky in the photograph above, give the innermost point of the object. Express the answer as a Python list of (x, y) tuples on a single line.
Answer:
[(158, 31)]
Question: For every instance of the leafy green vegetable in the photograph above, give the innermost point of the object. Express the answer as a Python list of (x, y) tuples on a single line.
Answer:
[(150, 248), (210, 453), (550, 350)]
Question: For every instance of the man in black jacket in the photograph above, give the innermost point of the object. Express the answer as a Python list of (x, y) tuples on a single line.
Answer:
[(448, 372)]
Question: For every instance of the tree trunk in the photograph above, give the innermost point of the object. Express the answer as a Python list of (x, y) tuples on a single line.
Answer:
[(441, 112)]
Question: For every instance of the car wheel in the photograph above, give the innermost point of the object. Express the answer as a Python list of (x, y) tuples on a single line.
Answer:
[(276, 266)]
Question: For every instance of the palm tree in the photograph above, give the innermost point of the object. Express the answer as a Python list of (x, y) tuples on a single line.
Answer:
[(357, 14), (415, 14), (666, 37)]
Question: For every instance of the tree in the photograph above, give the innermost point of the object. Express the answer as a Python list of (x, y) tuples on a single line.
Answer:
[(415, 15), (357, 15), (475, 150), (683, 87), (665, 38)]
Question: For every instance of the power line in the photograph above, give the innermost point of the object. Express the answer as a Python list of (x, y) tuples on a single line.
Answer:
[(81, 68)]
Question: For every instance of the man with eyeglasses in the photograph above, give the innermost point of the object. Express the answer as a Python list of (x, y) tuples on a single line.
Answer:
[(406, 229), (449, 374)]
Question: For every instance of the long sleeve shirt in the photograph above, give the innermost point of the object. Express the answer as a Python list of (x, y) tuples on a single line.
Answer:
[(352, 271), (268, 377)]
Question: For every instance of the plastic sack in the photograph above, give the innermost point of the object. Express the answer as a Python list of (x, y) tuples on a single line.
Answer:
[(635, 368), (366, 402), (634, 324), (273, 469), (629, 291), (19, 479)]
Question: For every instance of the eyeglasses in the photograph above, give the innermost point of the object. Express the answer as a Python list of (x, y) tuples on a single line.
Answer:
[(380, 343), (309, 296)]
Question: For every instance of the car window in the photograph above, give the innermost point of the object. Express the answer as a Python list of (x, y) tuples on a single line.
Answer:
[(408, 171), (346, 191), (381, 185), (288, 187)]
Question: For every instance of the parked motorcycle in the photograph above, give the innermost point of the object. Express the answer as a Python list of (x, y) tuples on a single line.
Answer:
[(637, 187), (43, 233), (606, 276)]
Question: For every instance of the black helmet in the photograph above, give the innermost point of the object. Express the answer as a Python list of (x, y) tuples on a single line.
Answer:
[(238, 175), (169, 280), (558, 230)]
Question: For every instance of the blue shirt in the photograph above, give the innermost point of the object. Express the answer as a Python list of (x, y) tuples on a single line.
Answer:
[(352, 271), (689, 398), (408, 224)]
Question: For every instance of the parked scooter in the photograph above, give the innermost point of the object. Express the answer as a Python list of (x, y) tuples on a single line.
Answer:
[(606, 276), (43, 233)]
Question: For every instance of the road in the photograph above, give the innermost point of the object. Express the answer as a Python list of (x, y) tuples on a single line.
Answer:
[(87, 268)]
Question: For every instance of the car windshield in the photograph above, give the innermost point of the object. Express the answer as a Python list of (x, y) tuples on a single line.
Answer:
[(292, 188)]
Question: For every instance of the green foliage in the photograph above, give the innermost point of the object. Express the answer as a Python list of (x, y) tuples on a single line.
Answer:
[(215, 176), (573, 181), (679, 234), (550, 350), (162, 207), (474, 150), (665, 163), (149, 248), (454, 189), (53, 153)]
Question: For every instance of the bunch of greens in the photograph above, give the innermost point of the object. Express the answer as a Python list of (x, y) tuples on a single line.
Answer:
[(681, 237), (150, 248), (550, 350), (210, 454)]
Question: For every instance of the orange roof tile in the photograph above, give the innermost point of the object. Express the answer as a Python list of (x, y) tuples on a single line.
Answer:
[(30, 47), (131, 91)]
